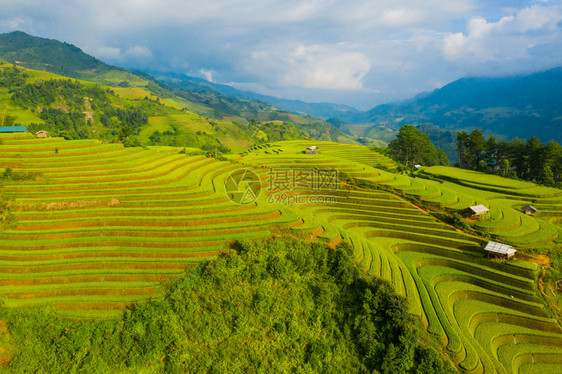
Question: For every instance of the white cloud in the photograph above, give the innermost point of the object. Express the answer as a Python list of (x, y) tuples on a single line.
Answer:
[(207, 74), (106, 53), (507, 39), (334, 67), (16, 23), (305, 47), (135, 52), (401, 17)]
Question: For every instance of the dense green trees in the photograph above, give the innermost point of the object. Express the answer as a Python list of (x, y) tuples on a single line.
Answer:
[(529, 160), (63, 104), (275, 306), (411, 147), (12, 77)]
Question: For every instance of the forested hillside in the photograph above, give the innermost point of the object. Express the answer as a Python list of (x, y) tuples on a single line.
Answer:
[(80, 110), (135, 116), (529, 160), (48, 54)]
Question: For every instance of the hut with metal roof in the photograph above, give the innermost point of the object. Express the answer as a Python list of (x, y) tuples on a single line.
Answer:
[(475, 211), (499, 250), (312, 150), (12, 129)]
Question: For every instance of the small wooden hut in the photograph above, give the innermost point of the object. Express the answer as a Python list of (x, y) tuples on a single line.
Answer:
[(529, 210), (312, 150), (499, 250), (475, 211), (41, 134)]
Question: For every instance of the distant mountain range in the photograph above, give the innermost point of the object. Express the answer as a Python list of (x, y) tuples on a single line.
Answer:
[(519, 106), (69, 60), (248, 120), (318, 110)]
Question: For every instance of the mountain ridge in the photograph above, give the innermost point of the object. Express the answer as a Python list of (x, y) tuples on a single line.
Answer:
[(61, 57), (299, 107), (243, 119), (516, 106)]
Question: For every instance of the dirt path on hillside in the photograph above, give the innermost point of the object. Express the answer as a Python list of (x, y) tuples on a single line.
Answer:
[(7, 349), (88, 113)]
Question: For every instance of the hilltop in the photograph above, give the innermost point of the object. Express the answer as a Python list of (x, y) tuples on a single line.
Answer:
[(60, 58), (48, 54)]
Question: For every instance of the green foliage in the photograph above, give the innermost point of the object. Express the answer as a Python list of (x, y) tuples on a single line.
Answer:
[(12, 77), (412, 147), (530, 160), (8, 120), (444, 140), (16, 175), (277, 131), (63, 104), (453, 219), (270, 306), (215, 148)]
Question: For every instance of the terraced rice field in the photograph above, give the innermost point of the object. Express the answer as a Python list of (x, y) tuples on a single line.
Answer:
[(505, 198), (104, 225), (488, 314)]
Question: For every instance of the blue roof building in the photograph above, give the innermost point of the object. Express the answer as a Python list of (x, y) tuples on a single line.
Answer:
[(10, 129)]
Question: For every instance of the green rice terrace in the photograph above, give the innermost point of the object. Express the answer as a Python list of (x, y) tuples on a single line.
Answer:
[(91, 228)]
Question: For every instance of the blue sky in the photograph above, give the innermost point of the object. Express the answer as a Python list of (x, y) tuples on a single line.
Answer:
[(315, 50)]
